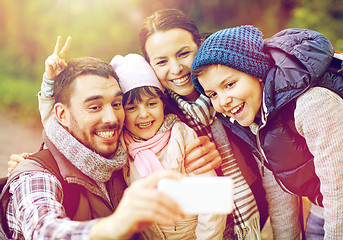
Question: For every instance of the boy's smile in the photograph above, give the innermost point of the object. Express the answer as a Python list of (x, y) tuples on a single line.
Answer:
[(233, 93)]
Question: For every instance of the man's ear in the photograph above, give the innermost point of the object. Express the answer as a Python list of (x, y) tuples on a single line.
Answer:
[(61, 114)]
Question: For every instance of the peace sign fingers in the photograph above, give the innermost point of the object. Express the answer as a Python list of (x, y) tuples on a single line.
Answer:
[(58, 45), (55, 63), (62, 53)]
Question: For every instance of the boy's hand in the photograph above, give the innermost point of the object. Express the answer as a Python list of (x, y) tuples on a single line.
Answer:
[(56, 63)]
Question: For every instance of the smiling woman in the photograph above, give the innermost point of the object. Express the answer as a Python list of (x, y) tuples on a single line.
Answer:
[(171, 64), (169, 40)]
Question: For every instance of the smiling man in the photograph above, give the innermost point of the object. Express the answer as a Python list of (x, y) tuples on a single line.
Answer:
[(82, 138), (95, 114)]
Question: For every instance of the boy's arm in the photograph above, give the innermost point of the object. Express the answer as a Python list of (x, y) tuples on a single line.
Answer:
[(46, 100), (54, 65), (283, 208), (318, 117)]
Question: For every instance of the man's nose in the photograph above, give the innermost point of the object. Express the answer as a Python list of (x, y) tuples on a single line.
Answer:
[(109, 115)]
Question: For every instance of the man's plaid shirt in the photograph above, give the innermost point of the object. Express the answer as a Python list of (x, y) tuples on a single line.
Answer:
[(35, 210)]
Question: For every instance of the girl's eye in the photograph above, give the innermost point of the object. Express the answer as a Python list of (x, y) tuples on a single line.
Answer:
[(151, 104), (117, 105), (130, 108)]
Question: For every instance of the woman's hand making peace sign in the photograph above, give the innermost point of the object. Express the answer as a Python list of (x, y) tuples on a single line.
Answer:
[(56, 63)]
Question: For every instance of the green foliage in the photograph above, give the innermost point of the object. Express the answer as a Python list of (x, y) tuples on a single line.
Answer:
[(29, 29), (269, 16), (325, 17), (104, 28), (19, 94)]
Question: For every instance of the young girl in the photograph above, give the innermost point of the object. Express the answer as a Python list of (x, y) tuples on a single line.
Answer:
[(280, 98), (156, 141)]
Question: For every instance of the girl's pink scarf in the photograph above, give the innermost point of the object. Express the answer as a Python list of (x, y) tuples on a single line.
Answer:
[(144, 153)]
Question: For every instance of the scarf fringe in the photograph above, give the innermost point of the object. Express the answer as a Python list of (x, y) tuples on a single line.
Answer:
[(252, 231)]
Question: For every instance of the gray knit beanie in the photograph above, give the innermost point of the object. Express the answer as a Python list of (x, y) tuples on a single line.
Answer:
[(240, 48)]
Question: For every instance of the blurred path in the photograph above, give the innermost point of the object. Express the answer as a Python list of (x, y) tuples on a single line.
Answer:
[(16, 137)]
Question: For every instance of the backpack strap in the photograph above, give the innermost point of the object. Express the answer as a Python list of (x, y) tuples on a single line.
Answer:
[(3, 181), (336, 65), (4, 199)]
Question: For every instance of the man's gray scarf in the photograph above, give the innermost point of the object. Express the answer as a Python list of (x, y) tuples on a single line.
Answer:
[(87, 161)]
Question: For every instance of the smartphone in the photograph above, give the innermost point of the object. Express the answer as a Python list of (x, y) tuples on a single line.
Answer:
[(200, 195)]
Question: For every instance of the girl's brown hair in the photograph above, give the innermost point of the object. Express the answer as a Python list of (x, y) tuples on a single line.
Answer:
[(135, 95)]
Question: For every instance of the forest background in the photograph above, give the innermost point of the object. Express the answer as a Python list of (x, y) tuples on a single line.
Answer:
[(104, 28)]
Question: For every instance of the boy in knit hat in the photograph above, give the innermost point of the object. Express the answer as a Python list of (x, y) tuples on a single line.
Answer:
[(156, 141), (279, 97)]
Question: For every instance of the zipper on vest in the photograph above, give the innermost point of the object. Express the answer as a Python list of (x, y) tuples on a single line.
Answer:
[(264, 116), (265, 160), (262, 155)]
